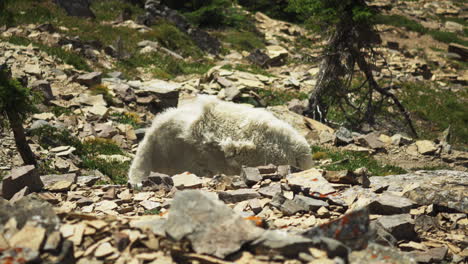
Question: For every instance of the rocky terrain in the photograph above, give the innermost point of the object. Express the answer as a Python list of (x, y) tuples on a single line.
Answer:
[(376, 195)]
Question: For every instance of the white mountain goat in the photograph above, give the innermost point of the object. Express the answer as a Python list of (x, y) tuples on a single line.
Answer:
[(210, 136)]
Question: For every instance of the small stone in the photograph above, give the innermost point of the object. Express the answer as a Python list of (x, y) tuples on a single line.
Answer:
[(60, 186), (250, 175), (426, 147), (310, 181), (187, 180), (150, 205), (103, 250), (106, 206)]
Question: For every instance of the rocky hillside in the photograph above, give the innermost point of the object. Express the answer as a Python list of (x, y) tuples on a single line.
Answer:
[(102, 71)]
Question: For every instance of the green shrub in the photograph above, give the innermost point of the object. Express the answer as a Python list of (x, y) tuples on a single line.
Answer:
[(277, 9)]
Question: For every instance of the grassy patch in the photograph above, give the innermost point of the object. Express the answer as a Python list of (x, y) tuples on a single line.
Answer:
[(254, 69), (279, 97), (162, 66), (435, 109), (242, 40), (129, 118), (67, 57), (348, 160), (107, 10), (88, 151), (409, 24)]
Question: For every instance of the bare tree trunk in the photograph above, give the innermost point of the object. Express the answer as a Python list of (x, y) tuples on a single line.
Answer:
[(328, 73), (364, 66), (20, 139)]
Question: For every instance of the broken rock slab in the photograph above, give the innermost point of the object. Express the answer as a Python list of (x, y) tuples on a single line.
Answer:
[(389, 204), (211, 226), (20, 178), (239, 195), (187, 180), (310, 181), (426, 147)]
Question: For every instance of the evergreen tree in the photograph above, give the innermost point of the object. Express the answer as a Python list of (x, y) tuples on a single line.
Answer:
[(348, 27)]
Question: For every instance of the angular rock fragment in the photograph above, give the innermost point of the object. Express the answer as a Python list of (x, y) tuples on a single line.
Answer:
[(210, 225), (250, 175), (401, 226), (90, 79), (238, 195), (310, 181), (389, 204), (187, 181), (426, 147), (20, 178)]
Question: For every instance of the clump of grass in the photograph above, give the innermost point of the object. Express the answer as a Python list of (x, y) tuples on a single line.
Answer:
[(107, 10), (349, 160), (242, 40), (104, 91), (60, 110), (152, 212), (66, 56), (88, 151), (129, 118)]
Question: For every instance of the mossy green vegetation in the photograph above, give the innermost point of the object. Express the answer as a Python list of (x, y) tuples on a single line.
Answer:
[(434, 109), (88, 151), (350, 160)]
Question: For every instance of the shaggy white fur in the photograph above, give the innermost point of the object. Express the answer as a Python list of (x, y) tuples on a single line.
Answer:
[(210, 136)]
